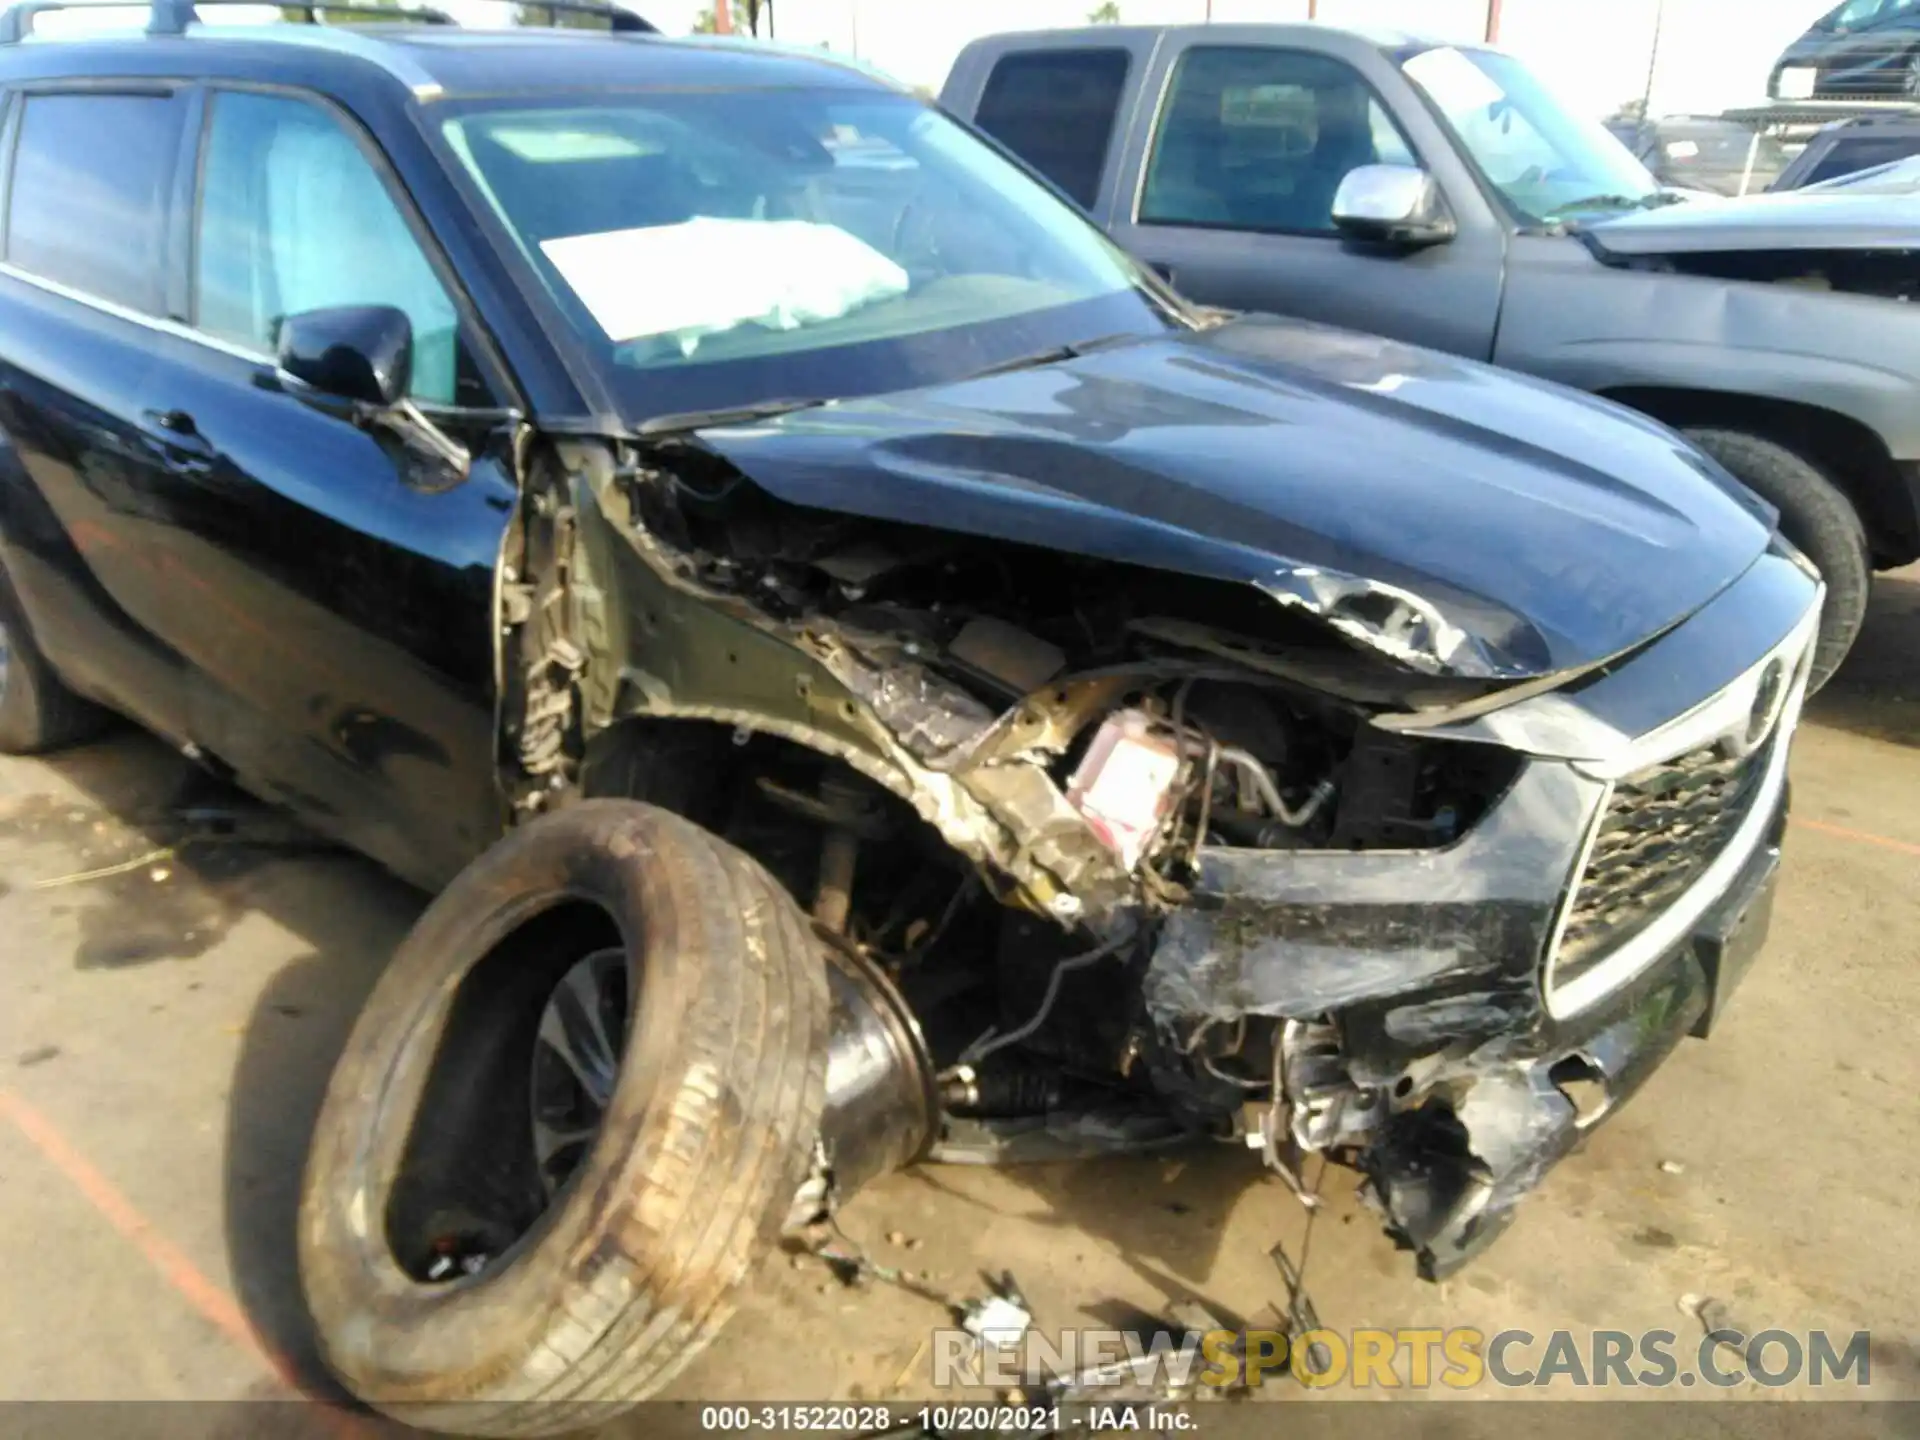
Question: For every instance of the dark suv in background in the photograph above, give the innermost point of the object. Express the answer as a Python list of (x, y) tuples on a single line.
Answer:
[(1862, 49)]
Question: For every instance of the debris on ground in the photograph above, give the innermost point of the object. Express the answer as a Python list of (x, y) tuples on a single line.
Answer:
[(1673, 1167), (1715, 1318), (125, 867), (1001, 1317)]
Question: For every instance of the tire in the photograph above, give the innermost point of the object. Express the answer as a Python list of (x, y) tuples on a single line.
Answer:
[(37, 712), (633, 1267), (1819, 519)]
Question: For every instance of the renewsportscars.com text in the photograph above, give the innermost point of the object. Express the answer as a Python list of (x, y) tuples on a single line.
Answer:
[(1460, 1358)]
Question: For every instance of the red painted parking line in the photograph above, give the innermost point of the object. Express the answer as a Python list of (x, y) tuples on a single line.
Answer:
[(211, 1299), (204, 1295), (1862, 837)]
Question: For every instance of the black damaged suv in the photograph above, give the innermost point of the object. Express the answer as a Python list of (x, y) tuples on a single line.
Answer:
[(876, 675)]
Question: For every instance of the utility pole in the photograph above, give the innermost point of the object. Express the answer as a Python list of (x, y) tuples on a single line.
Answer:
[(723, 17), (1653, 60), (1493, 22), (1313, 9)]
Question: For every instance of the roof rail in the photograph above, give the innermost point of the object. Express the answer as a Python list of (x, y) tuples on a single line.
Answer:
[(171, 17)]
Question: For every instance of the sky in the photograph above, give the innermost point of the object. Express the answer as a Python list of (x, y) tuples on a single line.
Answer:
[(1713, 54)]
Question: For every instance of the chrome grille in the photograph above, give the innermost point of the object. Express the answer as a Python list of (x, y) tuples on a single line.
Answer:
[(1662, 827)]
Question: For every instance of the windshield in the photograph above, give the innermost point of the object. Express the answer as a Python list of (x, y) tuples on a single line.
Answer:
[(716, 249), (1548, 162)]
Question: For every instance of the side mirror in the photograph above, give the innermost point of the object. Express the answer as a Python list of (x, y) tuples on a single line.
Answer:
[(362, 353), (1392, 205)]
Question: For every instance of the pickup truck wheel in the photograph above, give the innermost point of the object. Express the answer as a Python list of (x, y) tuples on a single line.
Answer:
[(37, 712), (571, 1118), (1818, 518)]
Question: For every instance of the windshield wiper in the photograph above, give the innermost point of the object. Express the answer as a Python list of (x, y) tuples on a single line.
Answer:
[(1610, 202), (682, 421), (1052, 356)]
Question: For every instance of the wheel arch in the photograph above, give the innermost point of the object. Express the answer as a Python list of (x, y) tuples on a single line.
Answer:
[(1848, 452)]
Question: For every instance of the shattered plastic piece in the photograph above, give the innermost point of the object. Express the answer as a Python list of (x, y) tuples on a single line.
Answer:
[(1000, 1318), (997, 1321), (1123, 785)]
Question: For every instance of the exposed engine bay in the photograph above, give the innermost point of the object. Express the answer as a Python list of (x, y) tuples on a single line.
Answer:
[(1004, 781), (1888, 274)]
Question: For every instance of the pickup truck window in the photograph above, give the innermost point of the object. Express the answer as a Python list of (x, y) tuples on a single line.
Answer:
[(88, 201), (1547, 162), (1255, 138), (1055, 109), (718, 248), (293, 217)]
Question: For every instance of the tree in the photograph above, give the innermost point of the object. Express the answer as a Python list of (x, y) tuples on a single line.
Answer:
[(1107, 12), (546, 17), (746, 17), (320, 14)]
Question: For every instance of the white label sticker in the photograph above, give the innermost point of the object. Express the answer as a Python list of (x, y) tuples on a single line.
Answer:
[(708, 274)]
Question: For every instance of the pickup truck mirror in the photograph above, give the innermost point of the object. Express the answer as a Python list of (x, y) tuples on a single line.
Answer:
[(1393, 205), (362, 353)]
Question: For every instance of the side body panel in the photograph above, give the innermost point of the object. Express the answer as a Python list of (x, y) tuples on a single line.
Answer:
[(1600, 328)]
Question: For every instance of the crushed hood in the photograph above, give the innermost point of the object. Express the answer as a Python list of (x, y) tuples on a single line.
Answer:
[(1791, 220), (1462, 520)]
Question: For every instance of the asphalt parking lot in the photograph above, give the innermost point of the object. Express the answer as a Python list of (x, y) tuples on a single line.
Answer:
[(166, 1031)]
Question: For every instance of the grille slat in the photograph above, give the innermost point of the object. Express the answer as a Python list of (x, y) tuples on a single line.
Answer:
[(1663, 827)]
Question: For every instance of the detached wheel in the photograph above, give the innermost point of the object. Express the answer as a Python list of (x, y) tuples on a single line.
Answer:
[(572, 1117), (37, 712), (1819, 519)]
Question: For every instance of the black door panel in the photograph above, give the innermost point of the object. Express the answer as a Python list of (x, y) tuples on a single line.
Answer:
[(84, 532), (337, 617)]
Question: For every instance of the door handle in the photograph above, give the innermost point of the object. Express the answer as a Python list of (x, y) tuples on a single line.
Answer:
[(182, 447), (1162, 268)]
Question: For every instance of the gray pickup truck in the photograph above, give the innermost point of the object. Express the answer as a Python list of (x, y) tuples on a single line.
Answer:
[(1441, 195)]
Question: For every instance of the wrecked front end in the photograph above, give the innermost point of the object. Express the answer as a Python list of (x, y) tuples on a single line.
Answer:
[(1450, 1018), (1107, 857)]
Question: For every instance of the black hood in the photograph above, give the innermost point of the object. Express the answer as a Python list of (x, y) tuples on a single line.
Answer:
[(1463, 520)]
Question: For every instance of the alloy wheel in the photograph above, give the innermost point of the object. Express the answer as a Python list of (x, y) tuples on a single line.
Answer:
[(576, 1062)]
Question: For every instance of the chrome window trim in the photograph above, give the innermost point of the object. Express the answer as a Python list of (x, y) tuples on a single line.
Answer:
[(138, 317), (1719, 715)]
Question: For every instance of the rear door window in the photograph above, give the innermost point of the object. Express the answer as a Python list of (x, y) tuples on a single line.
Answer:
[(87, 203), (1055, 109), (1260, 139)]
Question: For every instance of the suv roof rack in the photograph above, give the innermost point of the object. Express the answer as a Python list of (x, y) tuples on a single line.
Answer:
[(171, 17)]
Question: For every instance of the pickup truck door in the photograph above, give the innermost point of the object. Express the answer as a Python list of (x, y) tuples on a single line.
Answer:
[(334, 598), (1229, 173)]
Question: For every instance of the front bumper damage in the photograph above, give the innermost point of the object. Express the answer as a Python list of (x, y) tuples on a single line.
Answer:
[(1405, 1005), (1427, 1039)]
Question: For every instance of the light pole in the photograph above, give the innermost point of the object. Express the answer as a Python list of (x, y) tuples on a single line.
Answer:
[(1653, 59), (1493, 22)]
